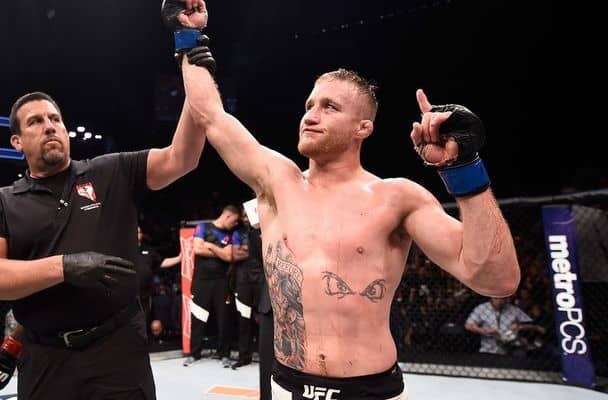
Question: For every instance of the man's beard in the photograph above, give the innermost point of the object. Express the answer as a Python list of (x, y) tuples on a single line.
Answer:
[(53, 157), (321, 148), (310, 150)]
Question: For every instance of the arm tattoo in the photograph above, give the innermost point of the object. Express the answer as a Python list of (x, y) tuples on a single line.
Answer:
[(285, 285), (336, 286)]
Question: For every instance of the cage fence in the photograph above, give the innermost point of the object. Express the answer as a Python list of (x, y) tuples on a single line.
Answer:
[(442, 327)]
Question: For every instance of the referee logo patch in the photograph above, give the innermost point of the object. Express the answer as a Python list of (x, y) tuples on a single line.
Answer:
[(87, 191)]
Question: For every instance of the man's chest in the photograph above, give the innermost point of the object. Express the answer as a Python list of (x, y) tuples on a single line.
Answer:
[(333, 221), (45, 223), (501, 320), (334, 227)]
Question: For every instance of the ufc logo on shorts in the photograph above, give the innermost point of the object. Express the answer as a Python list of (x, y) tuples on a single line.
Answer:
[(319, 393)]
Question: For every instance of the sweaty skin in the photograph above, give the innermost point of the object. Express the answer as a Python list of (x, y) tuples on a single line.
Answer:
[(343, 260)]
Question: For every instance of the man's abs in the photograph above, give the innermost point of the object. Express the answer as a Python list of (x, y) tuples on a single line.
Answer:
[(332, 270), (342, 357)]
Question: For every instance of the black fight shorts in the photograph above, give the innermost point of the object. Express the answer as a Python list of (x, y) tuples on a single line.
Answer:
[(289, 384)]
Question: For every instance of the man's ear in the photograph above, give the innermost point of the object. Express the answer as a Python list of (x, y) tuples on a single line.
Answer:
[(16, 142), (366, 128)]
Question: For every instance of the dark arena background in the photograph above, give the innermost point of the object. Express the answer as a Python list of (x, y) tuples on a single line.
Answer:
[(110, 67)]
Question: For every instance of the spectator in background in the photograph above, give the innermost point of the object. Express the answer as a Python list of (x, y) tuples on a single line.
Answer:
[(536, 336), (213, 254), (249, 277), (149, 262), (162, 301), (161, 338), (265, 316), (497, 322), (157, 330), (266, 341)]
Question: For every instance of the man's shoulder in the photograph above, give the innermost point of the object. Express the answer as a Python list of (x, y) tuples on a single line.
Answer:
[(207, 225), (96, 162), (200, 227), (6, 189), (399, 183), (9, 189), (483, 306), (515, 309), (403, 190), (110, 158)]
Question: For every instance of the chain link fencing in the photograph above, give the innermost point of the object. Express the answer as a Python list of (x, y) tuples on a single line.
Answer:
[(442, 327)]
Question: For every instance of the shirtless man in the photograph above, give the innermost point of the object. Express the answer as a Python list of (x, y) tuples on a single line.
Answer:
[(336, 237)]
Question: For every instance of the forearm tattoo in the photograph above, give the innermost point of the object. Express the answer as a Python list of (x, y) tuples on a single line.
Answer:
[(285, 286), (336, 286)]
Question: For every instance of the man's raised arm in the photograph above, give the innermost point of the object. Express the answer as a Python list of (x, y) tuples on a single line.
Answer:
[(243, 154), (238, 148), (168, 164), (479, 251), (182, 156)]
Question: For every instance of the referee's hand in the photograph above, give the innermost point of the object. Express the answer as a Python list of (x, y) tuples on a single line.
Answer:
[(89, 268)]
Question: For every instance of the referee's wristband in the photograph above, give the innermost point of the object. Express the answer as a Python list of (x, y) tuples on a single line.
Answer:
[(185, 39), (466, 179), (12, 346)]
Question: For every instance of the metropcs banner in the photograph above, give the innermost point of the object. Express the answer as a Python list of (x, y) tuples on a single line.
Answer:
[(577, 368)]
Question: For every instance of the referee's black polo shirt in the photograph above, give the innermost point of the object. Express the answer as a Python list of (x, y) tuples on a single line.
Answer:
[(101, 215)]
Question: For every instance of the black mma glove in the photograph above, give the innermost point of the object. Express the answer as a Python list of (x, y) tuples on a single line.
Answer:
[(169, 10), (187, 37), (466, 128), (89, 268), (9, 353), (466, 175), (201, 55)]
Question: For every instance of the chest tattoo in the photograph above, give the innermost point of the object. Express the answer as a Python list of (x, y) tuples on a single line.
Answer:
[(336, 286)]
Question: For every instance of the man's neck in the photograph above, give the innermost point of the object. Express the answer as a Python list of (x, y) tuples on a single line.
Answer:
[(39, 173), (331, 173), (218, 223)]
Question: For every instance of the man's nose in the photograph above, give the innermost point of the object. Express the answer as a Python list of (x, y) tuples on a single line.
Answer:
[(49, 126), (311, 117)]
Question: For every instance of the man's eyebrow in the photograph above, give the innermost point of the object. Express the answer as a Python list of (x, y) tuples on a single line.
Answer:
[(38, 115), (33, 116)]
